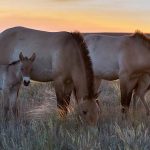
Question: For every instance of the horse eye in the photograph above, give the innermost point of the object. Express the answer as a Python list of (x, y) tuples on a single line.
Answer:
[(84, 112)]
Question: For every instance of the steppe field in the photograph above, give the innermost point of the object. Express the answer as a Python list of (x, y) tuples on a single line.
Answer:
[(40, 128)]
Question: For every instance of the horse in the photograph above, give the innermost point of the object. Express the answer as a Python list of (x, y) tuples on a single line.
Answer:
[(11, 76), (120, 57), (61, 57)]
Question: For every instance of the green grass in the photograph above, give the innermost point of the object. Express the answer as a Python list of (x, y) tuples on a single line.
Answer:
[(40, 128)]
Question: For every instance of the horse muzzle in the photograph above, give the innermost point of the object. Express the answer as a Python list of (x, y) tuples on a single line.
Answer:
[(26, 81)]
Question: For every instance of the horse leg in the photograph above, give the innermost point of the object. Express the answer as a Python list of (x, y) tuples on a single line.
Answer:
[(135, 99), (97, 83), (123, 89), (126, 86), (6, 105), (145, 105), (14, 103), (63, 94), (140, 92), (68, 87)]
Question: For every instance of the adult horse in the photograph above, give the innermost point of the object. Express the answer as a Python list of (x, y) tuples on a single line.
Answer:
[(61, 57), (120, 57)]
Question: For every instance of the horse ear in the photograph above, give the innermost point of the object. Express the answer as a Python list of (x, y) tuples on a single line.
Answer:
[(32, 58), (97, 94), (21, 56)]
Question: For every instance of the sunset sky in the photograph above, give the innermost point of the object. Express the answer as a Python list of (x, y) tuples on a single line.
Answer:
[(82, 15)]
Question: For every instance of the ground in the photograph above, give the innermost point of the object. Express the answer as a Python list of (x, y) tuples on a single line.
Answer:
[(40, 128)]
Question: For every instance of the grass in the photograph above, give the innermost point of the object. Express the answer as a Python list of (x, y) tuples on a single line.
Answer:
[(40, 128)]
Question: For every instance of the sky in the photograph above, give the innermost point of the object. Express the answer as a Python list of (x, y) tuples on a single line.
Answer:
[(72, 15)]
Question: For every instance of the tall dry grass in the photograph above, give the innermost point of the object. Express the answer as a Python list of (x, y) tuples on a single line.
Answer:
[(40, 129)]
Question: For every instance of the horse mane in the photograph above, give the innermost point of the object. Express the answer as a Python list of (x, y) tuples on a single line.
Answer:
[(87, 62), (142, 37), (14, 63), (17, 61)]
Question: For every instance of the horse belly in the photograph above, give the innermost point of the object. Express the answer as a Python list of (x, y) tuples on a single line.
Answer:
[(104, 54), (105, 66), (103, 72)]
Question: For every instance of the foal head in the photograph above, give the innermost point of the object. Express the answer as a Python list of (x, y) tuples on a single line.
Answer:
[(26, 67)]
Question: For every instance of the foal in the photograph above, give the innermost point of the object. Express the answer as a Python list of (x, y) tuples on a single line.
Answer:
[(10, 80)]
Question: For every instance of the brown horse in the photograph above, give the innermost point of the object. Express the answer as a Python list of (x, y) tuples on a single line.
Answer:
[(11, 76), (120, 57), (62, 57)]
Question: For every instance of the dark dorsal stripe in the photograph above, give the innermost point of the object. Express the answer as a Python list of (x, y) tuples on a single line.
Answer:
[(87, 62)]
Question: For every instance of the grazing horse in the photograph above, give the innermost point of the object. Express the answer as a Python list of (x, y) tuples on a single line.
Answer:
[(11, 76), (120, 57), (61, 57)]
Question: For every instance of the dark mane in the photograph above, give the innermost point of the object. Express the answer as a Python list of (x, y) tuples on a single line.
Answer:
[(87, 62), (14, 63), (17, 61), (142, 37)]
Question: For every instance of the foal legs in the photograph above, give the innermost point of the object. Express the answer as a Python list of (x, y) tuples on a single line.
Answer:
[(14, 103), (5, 103)]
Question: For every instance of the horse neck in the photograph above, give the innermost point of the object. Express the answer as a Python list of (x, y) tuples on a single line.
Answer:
[(83, 75), (80, 78)]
